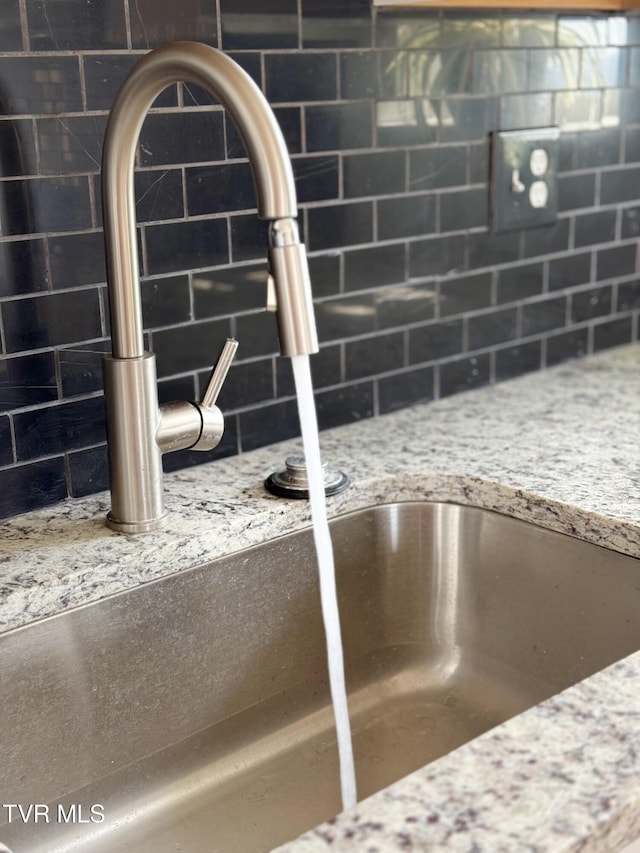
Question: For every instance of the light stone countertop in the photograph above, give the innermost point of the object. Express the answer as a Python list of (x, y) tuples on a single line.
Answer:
[(559, 448)]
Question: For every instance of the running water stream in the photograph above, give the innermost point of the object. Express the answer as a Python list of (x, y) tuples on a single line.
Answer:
[(328, 595)]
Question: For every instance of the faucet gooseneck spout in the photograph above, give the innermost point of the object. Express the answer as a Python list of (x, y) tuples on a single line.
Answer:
[(139, 429)]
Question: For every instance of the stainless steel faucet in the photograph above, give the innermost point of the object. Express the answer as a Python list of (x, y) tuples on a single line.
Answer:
[(139, 429)]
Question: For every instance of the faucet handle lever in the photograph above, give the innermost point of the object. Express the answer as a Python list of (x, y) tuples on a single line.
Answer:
[(211, 420), (219, 374)]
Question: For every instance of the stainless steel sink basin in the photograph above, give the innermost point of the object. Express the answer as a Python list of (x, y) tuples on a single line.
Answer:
[(192, 713)]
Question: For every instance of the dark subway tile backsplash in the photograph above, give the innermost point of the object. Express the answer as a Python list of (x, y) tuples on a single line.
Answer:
[(51, 320), (36, 85), (27, 380), (346, 24), (464, 373), (465, 293), (247, 25), (340, 126), (410, 216), (28, 487), (56, 429), (23, 267), (11, 30), (180, 245), (301, 77), (388, 116), (154, 22), (85, 26), (41, 205), (377, 173)]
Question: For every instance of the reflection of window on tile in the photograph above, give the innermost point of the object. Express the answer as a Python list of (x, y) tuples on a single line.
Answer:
[(634, 67), (516, 110), (346, 317), (408, 28), (396, 113), (504, 71), (406, 122), (578, 110), (554, 69), (250, 26), (402, 304), (603, 67), (578, 31), (470, 31), (620, 106), (336, 24), (447, 72), (466, 119), (528, 30), (393, 74)]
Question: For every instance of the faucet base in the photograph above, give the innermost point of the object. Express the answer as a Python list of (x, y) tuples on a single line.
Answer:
[(136, 526), (135, 460)]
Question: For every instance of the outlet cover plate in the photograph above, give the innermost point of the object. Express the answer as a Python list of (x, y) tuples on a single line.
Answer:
[(524, 178)]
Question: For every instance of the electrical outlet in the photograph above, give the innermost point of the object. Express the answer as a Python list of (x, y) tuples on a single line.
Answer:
[(524, 178)]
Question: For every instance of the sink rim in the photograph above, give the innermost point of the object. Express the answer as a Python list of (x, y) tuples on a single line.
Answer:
[(115, 562)]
